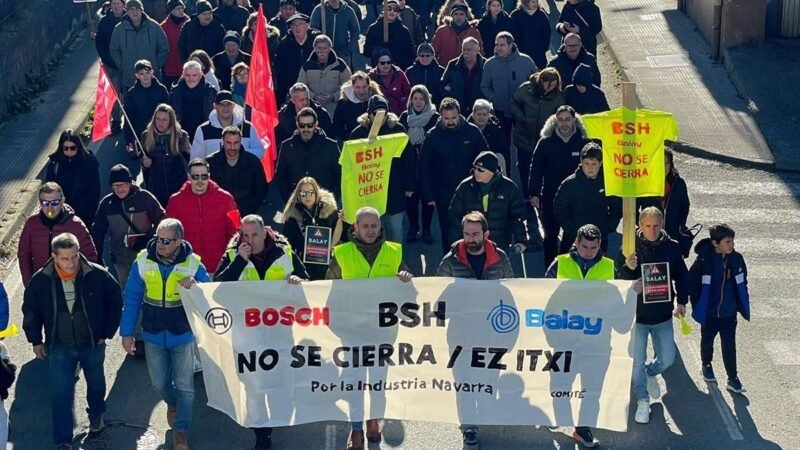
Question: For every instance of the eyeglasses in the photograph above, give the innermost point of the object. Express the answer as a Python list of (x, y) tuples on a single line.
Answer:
[(425, 55), (384, 63), (201, 176), (165, 241), (305, 194), (479, 169), (307, 126), (50, 202), (70, 148)]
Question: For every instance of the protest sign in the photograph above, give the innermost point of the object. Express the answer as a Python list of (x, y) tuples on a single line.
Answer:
[(516, 352), (633, 149), (366, 168), (656, 286), (318, 245)]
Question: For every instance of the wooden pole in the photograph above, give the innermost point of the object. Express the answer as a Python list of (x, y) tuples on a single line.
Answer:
[(385, 23), (629, 203), (376, 125), (90, 20), (322, 17)]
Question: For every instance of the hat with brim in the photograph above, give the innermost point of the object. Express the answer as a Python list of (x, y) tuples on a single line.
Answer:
[(298, 16)]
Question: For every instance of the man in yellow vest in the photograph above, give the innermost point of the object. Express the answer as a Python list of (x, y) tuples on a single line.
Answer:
[(257, 253), (153, 288), (367, 255)]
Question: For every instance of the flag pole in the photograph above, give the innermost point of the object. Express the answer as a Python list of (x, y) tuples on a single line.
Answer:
[(138, 147)]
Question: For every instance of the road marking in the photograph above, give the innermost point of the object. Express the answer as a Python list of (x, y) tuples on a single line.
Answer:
[(330, 437), (784, 353), (731, 423)]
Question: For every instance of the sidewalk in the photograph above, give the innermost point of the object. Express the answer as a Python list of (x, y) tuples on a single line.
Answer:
[(659, 48), (28, 139)]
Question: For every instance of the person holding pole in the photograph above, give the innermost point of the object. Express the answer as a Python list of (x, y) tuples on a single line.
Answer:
[(141, 102), (396, 38), (659, 253), (137, 37)]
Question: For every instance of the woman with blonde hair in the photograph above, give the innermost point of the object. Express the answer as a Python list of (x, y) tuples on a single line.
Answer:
[(166, 151), (310, 205)]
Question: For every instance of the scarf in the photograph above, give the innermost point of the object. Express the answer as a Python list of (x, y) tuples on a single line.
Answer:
[(65, 276), (417, 122)]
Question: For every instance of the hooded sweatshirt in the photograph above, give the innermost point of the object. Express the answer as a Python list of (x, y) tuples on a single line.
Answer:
[(590, 102)]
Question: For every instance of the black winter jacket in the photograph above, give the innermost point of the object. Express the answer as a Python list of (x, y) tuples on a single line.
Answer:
[(324, 214), (532, 35), (662, 249), (430, 76), (168, 172), (400, 43), (418, 148), (290, 58), (246, 180), (233, 18), (590, 102), (102, 39), (195, 36), (455, 263), (317, 158), (490, 28), (140, 104), (98, 292), (222, 67), (231, 270), (455, 76), (566, 67), (287, 120), (190, 120), (79, 178), (675, 205), (586, 15), (505, 214), (580, 201), (554, 160), (446, 158), (496, 139), (140, 207)]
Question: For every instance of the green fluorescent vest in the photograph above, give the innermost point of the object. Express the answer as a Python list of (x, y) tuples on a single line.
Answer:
[(355, 266), (164, 293), (569, 269), (278, 270)]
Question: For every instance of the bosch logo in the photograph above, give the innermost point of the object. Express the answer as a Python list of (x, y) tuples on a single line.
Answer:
[(504, 318), (219, 320)]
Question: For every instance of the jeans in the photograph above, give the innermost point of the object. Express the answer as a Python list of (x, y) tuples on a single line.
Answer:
[(62, 363), (172, 374), (726, 328), (664, 346), (393, 226)]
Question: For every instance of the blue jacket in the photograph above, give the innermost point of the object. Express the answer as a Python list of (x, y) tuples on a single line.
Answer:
[(717, 285), (3, 307), (134, 298)]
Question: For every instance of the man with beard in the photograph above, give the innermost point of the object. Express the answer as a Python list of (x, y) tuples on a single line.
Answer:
[(353, 101), (446, 158), (299, 98), (239, 172), (475, 257)]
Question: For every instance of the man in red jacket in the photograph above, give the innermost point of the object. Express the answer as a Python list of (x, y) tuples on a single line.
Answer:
[(172, 27), (53, 218), (205, 211)]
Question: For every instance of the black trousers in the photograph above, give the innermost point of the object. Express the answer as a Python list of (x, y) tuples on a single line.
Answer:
[(524, 158), (726, 328), (412, 210), (263, 436), (550, 228)]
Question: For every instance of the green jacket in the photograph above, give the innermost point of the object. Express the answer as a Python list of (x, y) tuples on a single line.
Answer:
[(530, 110)]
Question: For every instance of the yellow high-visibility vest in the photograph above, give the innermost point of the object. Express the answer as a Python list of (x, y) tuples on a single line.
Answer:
[(164, 293), (355, 266), (569, 269), (280, 269)]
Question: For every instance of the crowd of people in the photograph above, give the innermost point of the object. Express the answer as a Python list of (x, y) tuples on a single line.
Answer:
[(497, 150)]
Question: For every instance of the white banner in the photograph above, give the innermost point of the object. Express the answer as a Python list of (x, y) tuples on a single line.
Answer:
[(516, 352)]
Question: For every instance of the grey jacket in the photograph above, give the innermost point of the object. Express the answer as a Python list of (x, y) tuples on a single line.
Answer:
[(502, 76), (342, 27), (129, 44)]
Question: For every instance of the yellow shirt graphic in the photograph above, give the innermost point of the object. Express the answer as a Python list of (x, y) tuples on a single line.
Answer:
[(365, 172), (633, 149)]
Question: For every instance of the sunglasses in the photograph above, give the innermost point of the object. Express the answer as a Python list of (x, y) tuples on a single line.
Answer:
[(425, 55), (393, 9), (165, 241), (50, 202), (307, 126), (201, 176), (305, 194), (70, 148), (479, 169), (384, 63)]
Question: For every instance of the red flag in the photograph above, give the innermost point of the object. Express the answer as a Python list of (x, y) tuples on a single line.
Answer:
[(103, 104), (261, 96)]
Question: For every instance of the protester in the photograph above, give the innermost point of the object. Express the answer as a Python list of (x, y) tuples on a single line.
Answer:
[(293, 51), (172, 26), (341, 24), (443, 16), (232, 16), (75, 168), (137, 37), (581, 17), (239, 172), (310, 205), (448, 39), (581, 199), (392, 81), (482, 117), (353, 101), (419, 118), (653, 245), (503, 74), (400, 44), (324, 73), (141, 101), (78, 304), (367, 255), (129, 216), (229, 57), (208, 137), (401, 170), (493, 21), (718, 291), (497, 197), (273, 39), (462, 76), (571, 55), (207, 64), (411, 20), (556, 156), (202, 32), (534, 103), (583, 95), (240, 73), (54, 217), (427, 71), (167, 263), (308, 153), (531, 28), (102, 42), (280, 20), (675, 202), (299, 98), (207, 210), (166, 150), (446, 158), (192, 97)]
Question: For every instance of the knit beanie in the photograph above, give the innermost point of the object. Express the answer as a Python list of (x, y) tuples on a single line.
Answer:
[(202, 6), (119, 174)]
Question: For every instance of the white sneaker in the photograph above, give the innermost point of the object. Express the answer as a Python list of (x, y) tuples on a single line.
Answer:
[(642, 411), (653, 388)]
